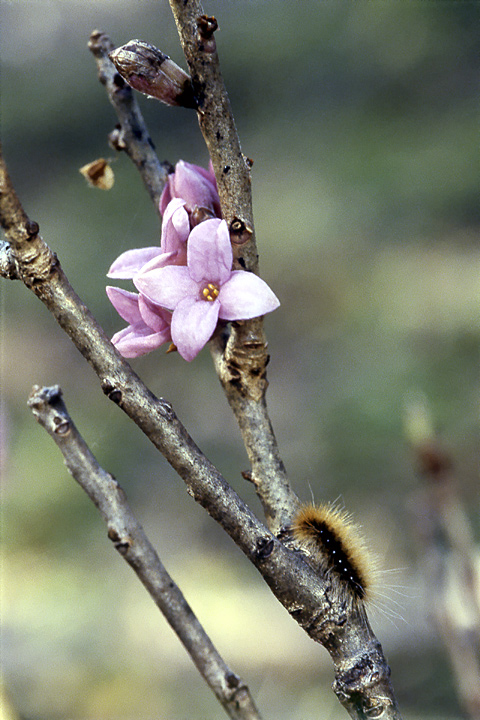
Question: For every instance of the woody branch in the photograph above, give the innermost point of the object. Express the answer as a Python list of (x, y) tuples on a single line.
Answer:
[(240, 356), (130, 134), (241, 359), (130, 540)]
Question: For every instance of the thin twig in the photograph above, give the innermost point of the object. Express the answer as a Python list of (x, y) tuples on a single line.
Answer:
[(131, 135), (362, 675), (231, 167), (241, 361), (268, 473), (129, 538)]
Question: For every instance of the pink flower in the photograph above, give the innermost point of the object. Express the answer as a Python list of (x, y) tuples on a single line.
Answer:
[(149, 325), (206, 290), (195, 185)]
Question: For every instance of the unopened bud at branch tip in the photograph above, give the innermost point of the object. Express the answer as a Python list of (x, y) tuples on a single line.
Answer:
[(148, 70)]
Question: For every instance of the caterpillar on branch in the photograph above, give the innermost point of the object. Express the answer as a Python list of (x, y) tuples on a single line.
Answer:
[(335, 546)]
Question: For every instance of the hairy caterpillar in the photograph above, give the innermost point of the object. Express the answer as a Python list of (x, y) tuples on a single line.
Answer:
[(334, 544)]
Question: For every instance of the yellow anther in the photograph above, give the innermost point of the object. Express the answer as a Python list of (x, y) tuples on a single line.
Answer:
[(210, 292)]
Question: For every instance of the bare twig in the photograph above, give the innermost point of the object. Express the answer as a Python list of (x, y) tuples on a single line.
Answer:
[(131, 134), (232, 169), (132, 543), (268, 472), (361, 673), (242, 359)]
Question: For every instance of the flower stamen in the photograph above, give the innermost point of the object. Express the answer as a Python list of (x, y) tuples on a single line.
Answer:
[(210, 292)]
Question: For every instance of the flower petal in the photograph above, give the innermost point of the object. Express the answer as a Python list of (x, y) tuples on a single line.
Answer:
[(181, 222), (208, 174), (167, 286), (245, 296), (136, 340), (193, 323), (170, 258), (155, 316), (130, 262), (175, 226), (209, 252), (166, 196), (193, 185), (125, 303)]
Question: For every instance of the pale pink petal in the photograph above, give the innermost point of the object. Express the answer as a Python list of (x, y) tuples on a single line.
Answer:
[(170, 258), (130, 262), (193, 323), (167, 286), (190, 183), (208, 174), (181, 223), (245, 296), (175, 227), (125, 303), (209, 252), (194, 184), (136, 340), (155, 316), (166, 196)]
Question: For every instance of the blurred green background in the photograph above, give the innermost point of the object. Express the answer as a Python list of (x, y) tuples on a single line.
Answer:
[(361, 118)]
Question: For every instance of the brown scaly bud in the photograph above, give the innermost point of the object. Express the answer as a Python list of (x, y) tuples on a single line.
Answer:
[(151, 72)]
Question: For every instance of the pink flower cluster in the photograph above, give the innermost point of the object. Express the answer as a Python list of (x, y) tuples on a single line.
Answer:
[(186, 285)]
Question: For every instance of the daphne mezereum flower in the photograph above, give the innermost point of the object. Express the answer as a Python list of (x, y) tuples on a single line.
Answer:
[(206, 290), (195, 185), (149, 324)]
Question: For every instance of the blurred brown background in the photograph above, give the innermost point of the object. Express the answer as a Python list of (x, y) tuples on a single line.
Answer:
[(361, 118)]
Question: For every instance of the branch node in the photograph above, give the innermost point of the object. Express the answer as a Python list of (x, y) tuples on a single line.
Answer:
[(116, 139), (264, 548), (240, 232), (122, 543), (32, 228), (207, 24), (113, 393), (62, 427), (367, 671), (247, 475), (232, 680), (99, 43)]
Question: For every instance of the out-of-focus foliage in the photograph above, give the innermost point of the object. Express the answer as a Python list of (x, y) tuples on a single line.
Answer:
[(361, 120)]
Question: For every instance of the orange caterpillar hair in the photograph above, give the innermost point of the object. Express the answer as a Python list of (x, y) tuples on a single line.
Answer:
[(335, 546)]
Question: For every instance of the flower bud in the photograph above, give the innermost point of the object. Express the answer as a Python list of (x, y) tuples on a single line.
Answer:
[(151, 72), (195, 185)]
